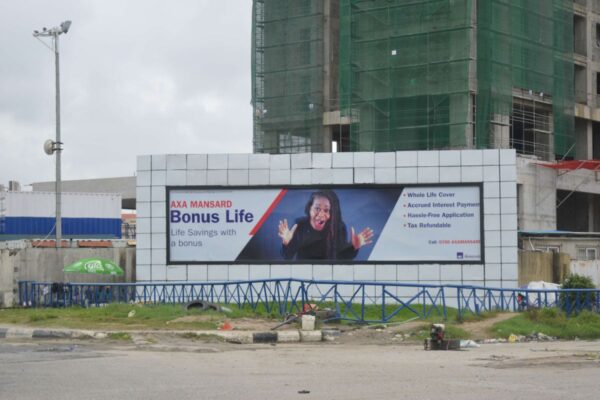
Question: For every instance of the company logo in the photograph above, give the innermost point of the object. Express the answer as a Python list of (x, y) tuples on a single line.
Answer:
[(459, 255), (93, 266)]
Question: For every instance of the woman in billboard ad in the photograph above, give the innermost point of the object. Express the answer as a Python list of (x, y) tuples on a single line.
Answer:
[(321, 233)]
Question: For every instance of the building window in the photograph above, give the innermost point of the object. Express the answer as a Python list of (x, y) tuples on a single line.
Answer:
[(587, 253)]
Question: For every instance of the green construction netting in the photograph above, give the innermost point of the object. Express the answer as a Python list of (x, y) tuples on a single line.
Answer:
[(445, 73), (426, 74), (287, 75)]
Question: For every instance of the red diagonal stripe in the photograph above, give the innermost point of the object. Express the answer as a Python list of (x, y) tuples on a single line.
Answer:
[(262, 220)]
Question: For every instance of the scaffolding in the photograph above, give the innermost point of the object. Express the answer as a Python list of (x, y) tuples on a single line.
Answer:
[(415, 75), (288, 75)]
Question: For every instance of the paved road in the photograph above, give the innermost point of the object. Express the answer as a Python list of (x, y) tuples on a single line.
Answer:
[(193, 370)]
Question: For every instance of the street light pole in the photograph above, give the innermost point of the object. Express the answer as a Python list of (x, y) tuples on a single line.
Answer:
[(56, 147)]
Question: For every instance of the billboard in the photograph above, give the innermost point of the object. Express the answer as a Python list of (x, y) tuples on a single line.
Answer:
[(334, 224)]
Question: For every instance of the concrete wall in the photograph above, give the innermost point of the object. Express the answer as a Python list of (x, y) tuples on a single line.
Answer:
[(537, 195), (543, 266), (567, 245), (45, 265), (495, 168), (587, 268)]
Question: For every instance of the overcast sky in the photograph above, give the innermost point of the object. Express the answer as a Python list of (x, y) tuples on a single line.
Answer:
[(137, 77)]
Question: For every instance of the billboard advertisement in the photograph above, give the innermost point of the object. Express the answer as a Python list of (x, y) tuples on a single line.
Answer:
[(334, 224)]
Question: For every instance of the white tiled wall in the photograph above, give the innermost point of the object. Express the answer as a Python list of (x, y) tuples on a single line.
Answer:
[(495, 168)]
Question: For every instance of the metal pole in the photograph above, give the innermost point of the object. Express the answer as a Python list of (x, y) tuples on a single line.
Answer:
[(58, 147)]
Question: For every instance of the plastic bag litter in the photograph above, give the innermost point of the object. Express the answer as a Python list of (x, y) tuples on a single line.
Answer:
[(466, 344)]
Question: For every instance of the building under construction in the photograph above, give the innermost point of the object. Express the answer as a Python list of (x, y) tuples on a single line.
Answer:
[(388, 75)]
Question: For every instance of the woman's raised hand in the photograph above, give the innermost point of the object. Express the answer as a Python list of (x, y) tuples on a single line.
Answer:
[(285, 233), (362, 238)]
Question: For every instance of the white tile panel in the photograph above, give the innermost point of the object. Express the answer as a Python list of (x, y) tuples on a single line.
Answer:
[(429, 272), (144, 163), (197, 273), (159, 240), (158, 209), (510, 284), (473, 272), (364, 272), (508, 189), (142, 193), (509, 222), (428, 175), (280, 161), (408, 273), (510, 255), (493, 255), (217, 161), (259, 161), (176, 161), (510, 238), (237, 177), (343, 160), (491, 173), (491, 189), (216, 177), (428, 158), (196, 177), (471, 157), (142, 241), (493, 272), (159, 272), (508, 157), (144, 178), (322, 272), (494, 284), (451, 272), (321, 175), (301, 161), (508, 205), (508, 173), (218, 272), (142, 225), (450, 174), (385, 272), (510, 271), (143, 209), (491, 157), (159, 178), (281, 271), (258, 177), (406, 175), (176, 178), (143, 256), (237, 161), (385, 175), (159, 193), (491, 222), (301, 176), (177, 273), (143, 272), (259, 271), (159, 256), (365, 159), (321, 160), (280, 177), (449, 158), (303, 271), (492, 238), (158, 225), (343, 175), (406, 158), (239, 273), (472, 174), (197, 161), (159, 161), (385, 160), (491, 206), (343, 272), (364, 175)]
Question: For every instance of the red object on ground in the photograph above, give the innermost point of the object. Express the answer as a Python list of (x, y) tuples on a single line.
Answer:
[(226, 327)]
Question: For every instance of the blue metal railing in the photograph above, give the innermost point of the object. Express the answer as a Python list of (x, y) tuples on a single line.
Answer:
[(349, 299)]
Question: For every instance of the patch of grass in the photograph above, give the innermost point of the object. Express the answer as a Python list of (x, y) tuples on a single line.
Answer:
[(204, 337), (41, 316), (551, 322), (119, 336)]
